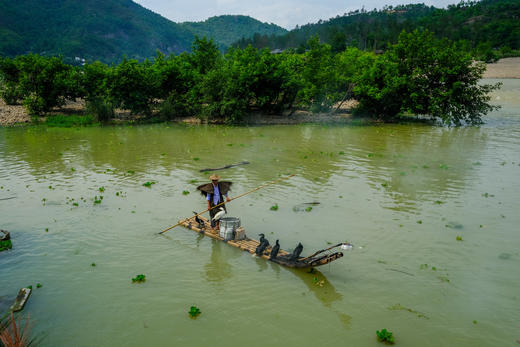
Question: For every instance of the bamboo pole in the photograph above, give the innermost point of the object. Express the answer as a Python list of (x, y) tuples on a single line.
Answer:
[(222, 203)]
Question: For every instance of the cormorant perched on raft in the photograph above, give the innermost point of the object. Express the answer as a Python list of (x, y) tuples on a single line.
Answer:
[(199, 221), (262, 246), (297, 251), (274, 251)]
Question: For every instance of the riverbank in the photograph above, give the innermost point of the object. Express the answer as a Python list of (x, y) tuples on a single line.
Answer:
[(504, 68), (11, 115)]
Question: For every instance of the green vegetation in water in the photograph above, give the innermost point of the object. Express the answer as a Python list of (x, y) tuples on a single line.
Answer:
[(38, 285), (46, 230), (459, 238), (384, 184), (185, 192), (308, 209), (444, 279), (438, 202), (139, 279), (385, 336), (443, 166), (101, 189), (30, 287), (196, 158), (5, 245), (193, 181), (93, 264), (419, 222), (98, 200), (475, 322), (274, 207), (398, 307), (68, 121), (194, 312), (148, 184)]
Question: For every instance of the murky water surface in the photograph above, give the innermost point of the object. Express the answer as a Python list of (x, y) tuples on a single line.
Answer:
[(402, 194)]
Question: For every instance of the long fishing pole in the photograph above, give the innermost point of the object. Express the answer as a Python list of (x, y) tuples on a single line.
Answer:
[(222, 203)]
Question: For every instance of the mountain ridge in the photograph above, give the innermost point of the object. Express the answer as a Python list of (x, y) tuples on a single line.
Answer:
[(106, 30)]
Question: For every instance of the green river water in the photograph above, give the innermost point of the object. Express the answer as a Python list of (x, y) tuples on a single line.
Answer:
[(402, 194)]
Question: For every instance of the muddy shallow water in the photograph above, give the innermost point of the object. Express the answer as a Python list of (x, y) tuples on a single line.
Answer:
[(402, 194)]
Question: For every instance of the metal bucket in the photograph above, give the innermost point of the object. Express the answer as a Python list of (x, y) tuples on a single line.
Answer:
[(228, 225)]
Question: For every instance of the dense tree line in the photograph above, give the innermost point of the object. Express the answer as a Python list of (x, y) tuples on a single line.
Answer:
[(419, 75), (488, 28)]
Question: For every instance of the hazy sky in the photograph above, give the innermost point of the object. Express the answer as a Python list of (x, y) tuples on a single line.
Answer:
[(286, 13)]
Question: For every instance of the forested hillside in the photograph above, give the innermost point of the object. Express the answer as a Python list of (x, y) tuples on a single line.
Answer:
[(228, 29), (486, 25), (107, 30)]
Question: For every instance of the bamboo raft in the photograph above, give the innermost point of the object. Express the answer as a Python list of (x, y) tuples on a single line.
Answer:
[(249, 245)]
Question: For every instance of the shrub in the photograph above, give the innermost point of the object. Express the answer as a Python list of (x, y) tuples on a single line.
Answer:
[(101, 109)]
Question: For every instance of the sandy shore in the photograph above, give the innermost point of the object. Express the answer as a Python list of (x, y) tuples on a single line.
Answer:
[(504, 68), (14, 115)]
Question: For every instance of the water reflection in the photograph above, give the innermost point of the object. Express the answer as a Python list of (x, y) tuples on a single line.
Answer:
[(409, 163), (218, 268)]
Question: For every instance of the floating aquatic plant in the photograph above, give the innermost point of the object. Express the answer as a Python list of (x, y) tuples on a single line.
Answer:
[(193, 181), (97, 200), (385, 336), (341, 152), (425, 167), (46, 230), (131, 172), (93, 264), (308, 209), (194, 312), (139, 279), (5, 245), (185, 192), (38, 285), (459, 238), (274, 207), (438, 202), (101, 189), (196, 158), (148, 184), (398, 307), (384, 184), (444, 279), (419, 222)]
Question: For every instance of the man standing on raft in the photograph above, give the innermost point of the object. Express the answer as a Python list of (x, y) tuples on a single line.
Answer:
[(215, 193)]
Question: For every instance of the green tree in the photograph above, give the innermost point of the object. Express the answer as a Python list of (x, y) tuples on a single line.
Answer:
[(425, 76), (134, 86), (10, 90), (47, 83)]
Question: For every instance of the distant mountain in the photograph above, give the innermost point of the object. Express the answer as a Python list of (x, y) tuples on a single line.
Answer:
[(492, 24), (227, 29), (108, 29)]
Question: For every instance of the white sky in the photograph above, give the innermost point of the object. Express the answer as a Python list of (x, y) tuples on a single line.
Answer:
[(285, 13)]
